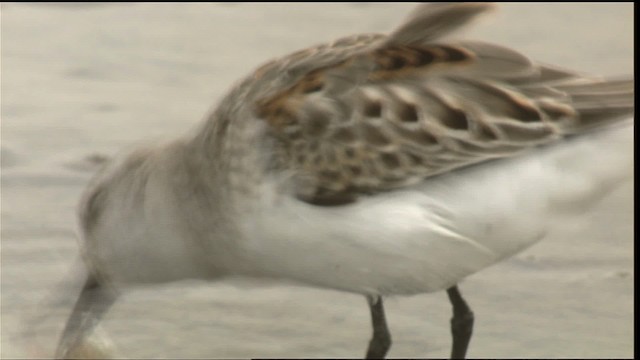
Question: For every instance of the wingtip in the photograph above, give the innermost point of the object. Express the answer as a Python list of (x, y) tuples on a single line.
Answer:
[(430, 21)]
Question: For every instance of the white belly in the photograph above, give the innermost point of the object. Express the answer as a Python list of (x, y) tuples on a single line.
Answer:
[(430, 236)]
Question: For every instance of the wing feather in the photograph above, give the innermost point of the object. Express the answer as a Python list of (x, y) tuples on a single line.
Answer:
[(371, 113)]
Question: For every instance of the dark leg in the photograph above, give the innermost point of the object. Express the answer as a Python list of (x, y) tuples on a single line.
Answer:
[(381, 340), (94, 301), (461, 323)]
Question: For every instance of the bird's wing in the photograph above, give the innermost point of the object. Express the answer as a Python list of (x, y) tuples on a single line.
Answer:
[(375, 112)]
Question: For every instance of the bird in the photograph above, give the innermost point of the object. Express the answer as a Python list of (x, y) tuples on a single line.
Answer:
[(377, 164)]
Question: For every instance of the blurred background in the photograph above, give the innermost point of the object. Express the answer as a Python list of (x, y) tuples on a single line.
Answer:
[(83, 81)]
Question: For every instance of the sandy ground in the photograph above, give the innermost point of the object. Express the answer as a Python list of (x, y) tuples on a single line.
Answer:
[(79, 81)]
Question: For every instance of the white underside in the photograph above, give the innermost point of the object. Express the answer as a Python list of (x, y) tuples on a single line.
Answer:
[(420, 239), (430, 236)]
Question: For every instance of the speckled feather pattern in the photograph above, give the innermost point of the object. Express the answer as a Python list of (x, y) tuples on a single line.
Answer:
[(370, 113)]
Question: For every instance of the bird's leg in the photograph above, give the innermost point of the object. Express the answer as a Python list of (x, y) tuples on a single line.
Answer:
[(381, 339), (461, 323), (94, 301)]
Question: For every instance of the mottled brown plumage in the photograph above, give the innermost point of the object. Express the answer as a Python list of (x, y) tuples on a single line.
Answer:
[(371, 112)]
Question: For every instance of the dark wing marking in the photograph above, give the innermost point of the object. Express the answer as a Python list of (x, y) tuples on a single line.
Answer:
[(371, 112)]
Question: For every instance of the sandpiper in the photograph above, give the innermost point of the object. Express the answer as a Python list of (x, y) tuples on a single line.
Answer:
[(375, 164)]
